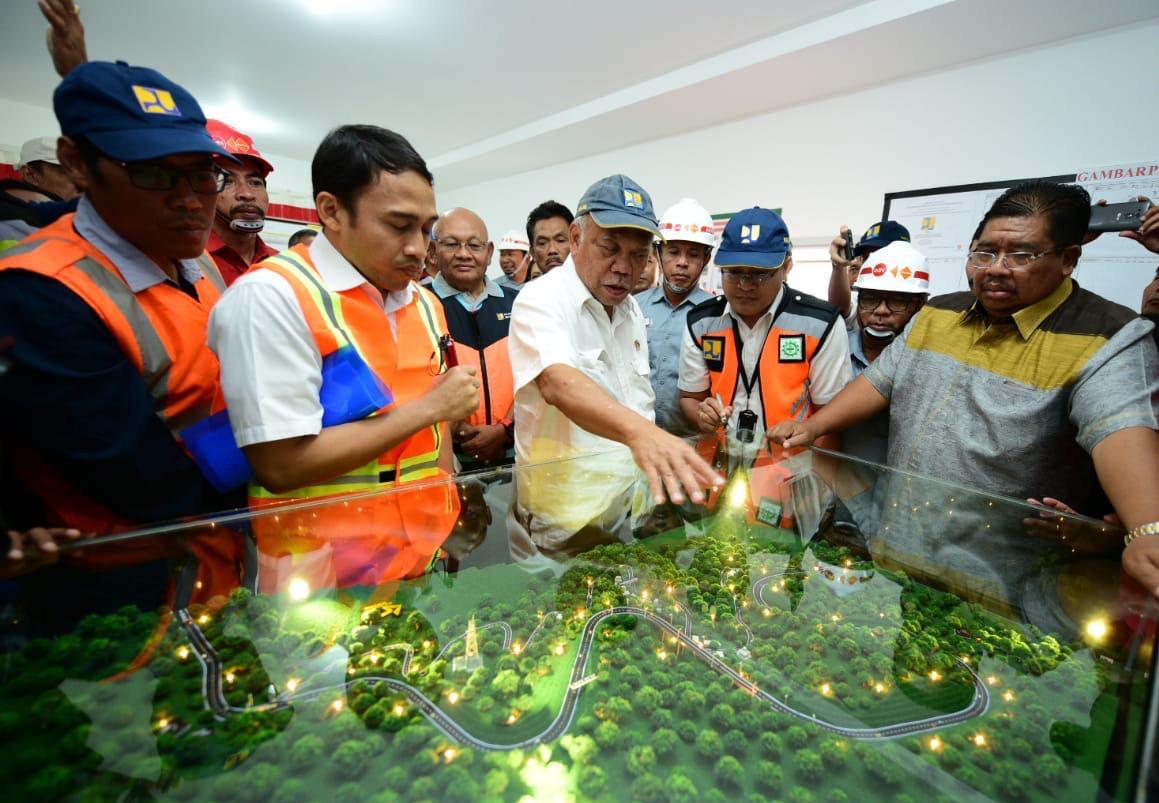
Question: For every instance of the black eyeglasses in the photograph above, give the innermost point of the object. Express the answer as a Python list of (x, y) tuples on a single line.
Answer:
[(867, 302), (149, 176), (744, 276)]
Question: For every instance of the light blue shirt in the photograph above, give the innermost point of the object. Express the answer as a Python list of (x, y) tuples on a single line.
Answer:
[(139, 272), (665, 325), (470, 303), (507, 281), (868, 440)]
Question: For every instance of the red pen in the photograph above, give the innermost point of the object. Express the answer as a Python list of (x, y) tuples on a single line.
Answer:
[(447, 347)]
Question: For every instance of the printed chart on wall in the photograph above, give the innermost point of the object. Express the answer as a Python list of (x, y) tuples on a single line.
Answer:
[(942, 220)]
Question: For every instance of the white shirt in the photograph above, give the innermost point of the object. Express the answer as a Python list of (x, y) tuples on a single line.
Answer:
[(829, 371), (557, 321), (271, 369)]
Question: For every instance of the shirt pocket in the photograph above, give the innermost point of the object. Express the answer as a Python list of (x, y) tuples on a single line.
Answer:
[(596, 365)]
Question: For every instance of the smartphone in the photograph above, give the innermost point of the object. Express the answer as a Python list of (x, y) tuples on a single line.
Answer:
[(849, 246), (1118, 217)]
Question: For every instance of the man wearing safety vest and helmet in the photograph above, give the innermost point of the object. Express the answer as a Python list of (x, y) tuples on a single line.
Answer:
[(763, 352), (235, 243), (688, 240), (107, 312), (514, 259), (892, 286), (352, 297)]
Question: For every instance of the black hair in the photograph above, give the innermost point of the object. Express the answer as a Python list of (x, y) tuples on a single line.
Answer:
[(1067, 208), (546, 210), (350, 158), (90, 153), (302, 234)]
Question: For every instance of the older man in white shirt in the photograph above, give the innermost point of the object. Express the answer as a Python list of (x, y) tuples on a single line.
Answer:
[(579, 352)]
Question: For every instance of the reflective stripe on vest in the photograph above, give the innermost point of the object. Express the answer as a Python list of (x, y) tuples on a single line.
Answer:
[(155, 361), (376, 473)]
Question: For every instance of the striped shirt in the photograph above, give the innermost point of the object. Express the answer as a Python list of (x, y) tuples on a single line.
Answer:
[(1016, 406)]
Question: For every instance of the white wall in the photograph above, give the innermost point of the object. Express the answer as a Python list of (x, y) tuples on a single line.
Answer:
[(1046, 111)]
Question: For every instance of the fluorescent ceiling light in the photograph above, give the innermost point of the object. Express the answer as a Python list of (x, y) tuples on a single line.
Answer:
[(347, 8), (241, 115)]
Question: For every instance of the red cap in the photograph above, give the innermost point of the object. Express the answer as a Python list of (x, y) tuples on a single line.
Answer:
[(236, 143)]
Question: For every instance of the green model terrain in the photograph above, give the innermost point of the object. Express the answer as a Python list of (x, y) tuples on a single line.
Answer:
[(786, 671)]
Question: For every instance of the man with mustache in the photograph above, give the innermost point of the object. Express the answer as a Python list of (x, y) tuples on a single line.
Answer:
[(688, 239), (235, 243), (107, 312), (763, 352), (353, 291), (547, 231), (579, 353), (1025, 365), (892, 286)]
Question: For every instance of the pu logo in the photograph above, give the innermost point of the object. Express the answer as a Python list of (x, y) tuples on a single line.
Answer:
[(750, 234), (156, 101), (874, 230), (633, 200), (879, 269), (713, 349), (906, 272), (929, 223)]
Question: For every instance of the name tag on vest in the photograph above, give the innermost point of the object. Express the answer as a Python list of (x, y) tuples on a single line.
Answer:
[(792, 348)]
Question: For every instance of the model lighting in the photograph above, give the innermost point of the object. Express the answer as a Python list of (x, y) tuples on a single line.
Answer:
[(292, 684), (935, 744), (1096, 629), (298, 589), (979, 740), (453, 697), (935, 676), (1008, 696), (203, 619), (183, 652)]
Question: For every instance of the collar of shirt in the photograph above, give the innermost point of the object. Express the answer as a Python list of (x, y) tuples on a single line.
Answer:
[(217, 245), (655, 295), (339, 275), (443, 289), (769, 313), (1028, 319), (138, 271), (857, 351)]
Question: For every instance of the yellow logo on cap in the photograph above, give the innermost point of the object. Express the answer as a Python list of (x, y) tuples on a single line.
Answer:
[(749, 234), (156, 101), (633, 199)]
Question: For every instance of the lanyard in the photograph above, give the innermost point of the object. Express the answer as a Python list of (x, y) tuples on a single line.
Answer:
[(742, 374)]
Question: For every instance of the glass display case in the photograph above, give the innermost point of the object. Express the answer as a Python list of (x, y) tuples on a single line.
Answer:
[(820, 629)]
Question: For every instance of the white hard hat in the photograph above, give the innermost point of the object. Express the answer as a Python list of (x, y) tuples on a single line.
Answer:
[(514, 241), (41, 149), (688, 220), (897, 268)]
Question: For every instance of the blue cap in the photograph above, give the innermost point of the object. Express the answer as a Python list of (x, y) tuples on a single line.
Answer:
[(879, 235), (617, 202), (131, 113), (756, 238)]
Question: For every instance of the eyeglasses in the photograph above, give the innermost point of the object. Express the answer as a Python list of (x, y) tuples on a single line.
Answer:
[(1018, 260), (738, 276), (474, 246), (867, 302), (149, 176)]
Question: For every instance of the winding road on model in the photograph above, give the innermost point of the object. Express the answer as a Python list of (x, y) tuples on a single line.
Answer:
[(212, 684)]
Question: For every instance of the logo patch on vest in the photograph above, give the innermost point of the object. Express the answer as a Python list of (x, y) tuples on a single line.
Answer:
[(712, 346), (502, 316), (792, 348), (769, 512)]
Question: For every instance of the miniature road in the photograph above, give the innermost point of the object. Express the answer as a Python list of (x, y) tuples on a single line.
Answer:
[(216, 701)]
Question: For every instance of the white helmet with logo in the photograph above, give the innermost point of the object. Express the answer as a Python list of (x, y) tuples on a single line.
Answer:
[(897, 268), (514, 241), (688, 220)]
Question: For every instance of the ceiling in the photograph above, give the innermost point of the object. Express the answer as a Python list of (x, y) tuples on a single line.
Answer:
[(487, 88)]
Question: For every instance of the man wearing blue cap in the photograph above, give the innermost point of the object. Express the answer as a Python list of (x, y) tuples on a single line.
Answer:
[(845, 271), (108, 311), (579, 353), (763, 352)]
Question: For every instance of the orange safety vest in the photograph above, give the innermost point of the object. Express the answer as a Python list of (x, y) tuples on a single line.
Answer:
[(372, 539), (800, 325), (162, 331)]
